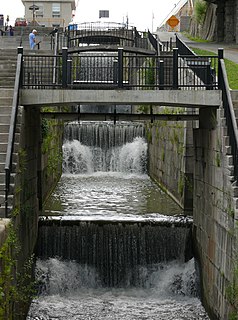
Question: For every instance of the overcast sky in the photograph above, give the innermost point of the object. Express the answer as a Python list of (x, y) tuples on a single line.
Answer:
[(143, 15)]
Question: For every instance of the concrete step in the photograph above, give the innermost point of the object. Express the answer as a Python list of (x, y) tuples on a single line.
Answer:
[(5, 111), (2, 211), (2, 167), (4, 137), (9, 83), (5, 105), (6, 72), (8, 65), (3, 147), (3, 176), (5, 119), (6, 93), (3, 157), (4, 128)]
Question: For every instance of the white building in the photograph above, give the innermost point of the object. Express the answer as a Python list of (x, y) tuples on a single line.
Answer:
[(49, 13)]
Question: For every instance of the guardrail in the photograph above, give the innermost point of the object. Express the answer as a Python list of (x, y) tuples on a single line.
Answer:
[(12, 129), (229, 115), (119, 70), (96, 33)]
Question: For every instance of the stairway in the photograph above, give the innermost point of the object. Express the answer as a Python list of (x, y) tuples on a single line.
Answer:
[(7, 78)]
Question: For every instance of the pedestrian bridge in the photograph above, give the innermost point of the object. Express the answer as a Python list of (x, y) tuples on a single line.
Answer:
[(119, 75)]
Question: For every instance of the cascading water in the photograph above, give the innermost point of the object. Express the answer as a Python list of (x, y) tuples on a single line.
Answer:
[(104, 147), (113, 245)]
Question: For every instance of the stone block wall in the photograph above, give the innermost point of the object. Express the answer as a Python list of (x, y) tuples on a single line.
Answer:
[(214, 214), (170, 146), (18, 234)]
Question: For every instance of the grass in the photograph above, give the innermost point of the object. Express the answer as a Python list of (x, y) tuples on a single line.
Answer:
[(231, 67)]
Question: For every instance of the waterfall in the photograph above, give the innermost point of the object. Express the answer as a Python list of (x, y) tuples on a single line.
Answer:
[(104, 147), (118, 251)]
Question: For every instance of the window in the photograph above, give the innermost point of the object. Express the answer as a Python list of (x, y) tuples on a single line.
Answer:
[(56, 10), (40, 12)]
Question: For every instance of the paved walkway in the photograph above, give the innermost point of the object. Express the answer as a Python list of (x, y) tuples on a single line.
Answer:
[(230, 50)]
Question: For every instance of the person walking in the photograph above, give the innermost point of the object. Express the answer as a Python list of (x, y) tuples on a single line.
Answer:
[(32, 39)]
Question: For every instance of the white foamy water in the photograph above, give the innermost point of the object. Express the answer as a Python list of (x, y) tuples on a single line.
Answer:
[(70, 291), (105, 178)]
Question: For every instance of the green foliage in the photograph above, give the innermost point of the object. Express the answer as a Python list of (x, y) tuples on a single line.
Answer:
[(15, 287), (181, 184), (144, 109), (231, 68), (150, 74), (200, 10), (22, 160)]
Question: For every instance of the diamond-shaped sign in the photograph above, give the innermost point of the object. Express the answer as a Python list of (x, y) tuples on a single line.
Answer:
[(173, 21)]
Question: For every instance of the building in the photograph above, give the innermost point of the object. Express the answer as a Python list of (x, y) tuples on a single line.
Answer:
[(49, 13)]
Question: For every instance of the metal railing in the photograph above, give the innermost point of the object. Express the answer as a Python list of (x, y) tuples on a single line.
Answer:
[(229, 115), (203, 67), (119, 70), (218, 69), (96, 33), (12, 129)]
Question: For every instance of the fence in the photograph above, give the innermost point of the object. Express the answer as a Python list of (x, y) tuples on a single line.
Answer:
[(120, 70)]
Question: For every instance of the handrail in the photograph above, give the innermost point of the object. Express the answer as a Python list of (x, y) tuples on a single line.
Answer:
[(230, 117), (153, 41), (12, 129)]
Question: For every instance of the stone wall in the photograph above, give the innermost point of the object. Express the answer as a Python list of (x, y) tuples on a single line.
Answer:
[(36, 173), (50, 156), (181, 152), (220, 24), (215, 214), (171, 157)]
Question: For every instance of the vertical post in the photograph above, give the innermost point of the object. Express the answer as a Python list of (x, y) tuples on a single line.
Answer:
[(209, 76), (64, 67), (20, 51), (69, 71), (120, 67), (115, 71), (161, 75), (175, 68), (220, 56), (171, 43)]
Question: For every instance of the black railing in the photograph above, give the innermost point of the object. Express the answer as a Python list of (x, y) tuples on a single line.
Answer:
[(230, 116), (100, 34), (203, 67), (118, 70), (12, 129)]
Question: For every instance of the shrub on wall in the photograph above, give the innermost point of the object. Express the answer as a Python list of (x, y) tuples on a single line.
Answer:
[(200, 10)]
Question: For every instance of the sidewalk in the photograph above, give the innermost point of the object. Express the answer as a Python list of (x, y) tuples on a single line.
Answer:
[(230, 50)]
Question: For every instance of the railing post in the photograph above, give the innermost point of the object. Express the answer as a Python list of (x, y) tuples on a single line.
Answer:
[(20, 51), (69, 71), (161, 75), (115, 71), (120, 67), (209, 77), (220, 56), (175, 68), (64, 66)]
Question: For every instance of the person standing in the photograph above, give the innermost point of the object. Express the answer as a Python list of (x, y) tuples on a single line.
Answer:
[(11, 31), (32, 39)]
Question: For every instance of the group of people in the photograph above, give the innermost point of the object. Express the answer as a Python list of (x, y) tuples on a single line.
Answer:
[(8, 30)]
